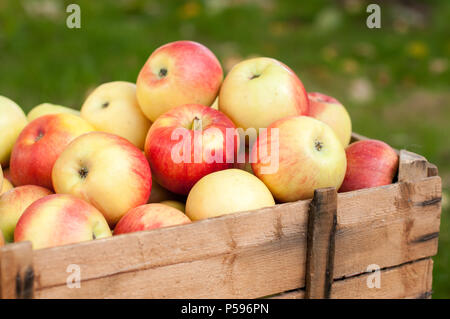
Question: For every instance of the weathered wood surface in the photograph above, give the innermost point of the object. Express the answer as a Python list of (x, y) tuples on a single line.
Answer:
[(16, 271), (321, 241), (408, 281), (412, 167)]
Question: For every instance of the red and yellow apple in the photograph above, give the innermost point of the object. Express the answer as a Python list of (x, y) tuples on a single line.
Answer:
[(14, 202), (181, 72), (2, 240), (297, 155), (49, 108), (113, 108), (187, 143), (60, 219), (40, 144), (370, 163), (106, 171), (259, 91), (12, 121), (150, 216), (226, 192), (333, 113)]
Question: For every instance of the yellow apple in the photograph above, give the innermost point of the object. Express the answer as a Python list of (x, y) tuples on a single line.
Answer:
[(297, 155), (333, 113), (12, 121), (225, 192), (6, 186), (113, 108), (105, 170), (60, 219), (259, 91), (48, 108), (215, 104), (14, 203)]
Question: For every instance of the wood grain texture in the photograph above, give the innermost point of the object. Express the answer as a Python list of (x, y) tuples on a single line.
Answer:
[(321, 242), (412, 167), (16, 271), (241, 255), (411, 280)]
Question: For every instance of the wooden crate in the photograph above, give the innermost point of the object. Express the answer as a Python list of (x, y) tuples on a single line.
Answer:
[(319, 248)]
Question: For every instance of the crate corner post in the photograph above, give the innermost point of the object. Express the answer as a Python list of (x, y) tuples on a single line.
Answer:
[(16, 271)]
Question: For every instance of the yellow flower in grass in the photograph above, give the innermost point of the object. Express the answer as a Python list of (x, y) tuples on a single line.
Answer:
[(417, 49), (189, 10)]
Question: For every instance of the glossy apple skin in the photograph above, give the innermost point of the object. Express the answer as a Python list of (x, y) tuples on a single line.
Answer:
[(113, 107), (181, 177), (14, 202), (12, 121), (260, 91), (370, 163), (150, 216), (49, 108), (60, 219), (106, 171), (227, 192), (193, 75), (39, 145), (2, 240), (310, 156), (330, 111)]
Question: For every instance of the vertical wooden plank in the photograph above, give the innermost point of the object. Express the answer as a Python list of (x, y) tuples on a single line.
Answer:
[(432, 170), (16, 271), (321, 241), (412, 167)]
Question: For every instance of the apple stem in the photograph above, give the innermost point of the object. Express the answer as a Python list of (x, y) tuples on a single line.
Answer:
[(196, 124)]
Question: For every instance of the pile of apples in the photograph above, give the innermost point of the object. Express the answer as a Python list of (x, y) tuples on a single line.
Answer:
[(73, 176)]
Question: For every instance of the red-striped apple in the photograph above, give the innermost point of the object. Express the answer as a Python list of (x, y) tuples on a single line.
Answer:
[(49, 108), (14, 202), (226, 192), (296, 155), (259, 91), (150, 216), (113, 108), (12, 121), (60, 219), (330, 111), (181, 72), (370, 163), (40, 144), (105, 170), (189, 142)]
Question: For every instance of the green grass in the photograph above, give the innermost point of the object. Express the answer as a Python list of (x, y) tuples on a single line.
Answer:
[(394, 80)]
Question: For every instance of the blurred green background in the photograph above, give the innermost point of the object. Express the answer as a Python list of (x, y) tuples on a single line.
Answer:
[(394, 81)]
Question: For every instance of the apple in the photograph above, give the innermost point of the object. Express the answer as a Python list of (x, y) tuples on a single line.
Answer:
[(49, 108), (106, 171), (181, 72), (215, 104), (6, 186), (297, 155), (7, 175), (226, 192), (2, 240), (14, 203), (60, 219), (39, 145), (150, 216), (328, 110), (187, 143), (1, 177), (259, 91), (175, 204), (370, 163), (113, 108), (12, 121)]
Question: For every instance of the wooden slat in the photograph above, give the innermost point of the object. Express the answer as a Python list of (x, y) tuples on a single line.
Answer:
[(320, 250), (412, 167), (387, 225), (16, 271), (432, 170), (411, 280), (229, 256), (294, 294), (357, 137)]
